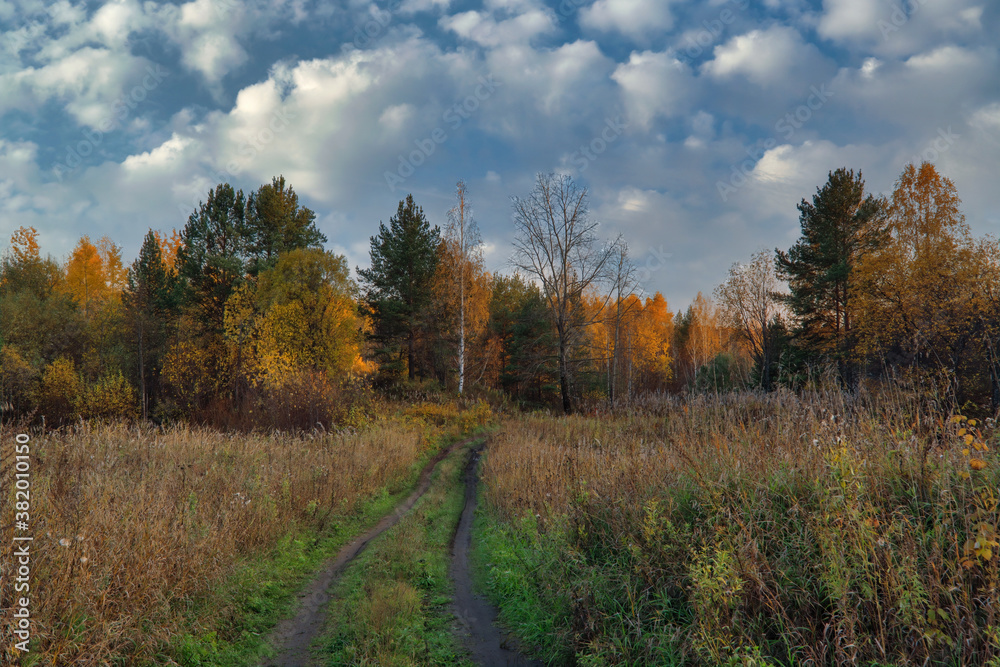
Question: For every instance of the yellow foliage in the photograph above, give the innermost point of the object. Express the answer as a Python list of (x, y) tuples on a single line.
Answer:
[(111, 397), (916, 291), (17, 381), (188, 370), (59, 395), (169, 245), (299, 316)]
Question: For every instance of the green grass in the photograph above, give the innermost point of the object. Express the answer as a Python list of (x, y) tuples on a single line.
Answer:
[(230, 625), (510, 566), (392, 606)]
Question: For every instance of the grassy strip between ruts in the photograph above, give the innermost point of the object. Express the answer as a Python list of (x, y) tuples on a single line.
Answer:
[(260, 593), (392, 606)]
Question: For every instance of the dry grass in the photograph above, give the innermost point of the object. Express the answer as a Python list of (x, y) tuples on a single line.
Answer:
[(740, 529), (131, 525)]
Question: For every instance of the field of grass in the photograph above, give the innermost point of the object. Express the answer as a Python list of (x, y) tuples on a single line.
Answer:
[(815, 529), (747, 529), (185, 546)]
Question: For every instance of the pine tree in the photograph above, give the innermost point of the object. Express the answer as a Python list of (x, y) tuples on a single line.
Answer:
[(275, 223), (397, 287), (839, 226), (211, 260)]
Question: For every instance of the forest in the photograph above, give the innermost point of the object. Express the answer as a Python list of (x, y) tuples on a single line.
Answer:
[(242, 453), (244, 308)]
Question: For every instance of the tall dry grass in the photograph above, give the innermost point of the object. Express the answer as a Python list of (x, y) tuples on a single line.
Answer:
[(131, 525), (750, 529)]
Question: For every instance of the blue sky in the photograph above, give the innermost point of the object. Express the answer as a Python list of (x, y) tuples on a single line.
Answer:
[(697, 126)]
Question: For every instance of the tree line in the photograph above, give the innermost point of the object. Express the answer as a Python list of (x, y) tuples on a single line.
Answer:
[(242, 318), (875, 289)]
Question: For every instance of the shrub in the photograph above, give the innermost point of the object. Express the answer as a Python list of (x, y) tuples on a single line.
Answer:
[(18, 382), (59, 397), (111, 397)]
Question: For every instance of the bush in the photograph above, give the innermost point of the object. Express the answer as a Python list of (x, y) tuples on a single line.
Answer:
[(111, 397), (18, 382), (59, 397)]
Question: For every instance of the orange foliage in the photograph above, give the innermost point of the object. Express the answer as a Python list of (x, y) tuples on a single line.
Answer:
[(95, 275), (915, 293), (24, 244), (169, 245), (86, 280)]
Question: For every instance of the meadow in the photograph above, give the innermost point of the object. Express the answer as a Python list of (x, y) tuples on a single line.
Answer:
[(747, 529), (816, 528), (185, 545)]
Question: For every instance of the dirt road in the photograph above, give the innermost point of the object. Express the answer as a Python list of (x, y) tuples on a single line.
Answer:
[(294, 636), (476, 616)]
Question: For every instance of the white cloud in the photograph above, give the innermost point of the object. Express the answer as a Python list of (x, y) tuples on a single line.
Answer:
[(88, 81), (635, 18), (898, 28), (563, 83), (166, 156), (653, 85), (394, 117), (765, 57), (849, 19), (485, 30)]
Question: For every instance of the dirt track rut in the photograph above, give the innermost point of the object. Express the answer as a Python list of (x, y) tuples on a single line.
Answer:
[(476, 616), (294, 636)]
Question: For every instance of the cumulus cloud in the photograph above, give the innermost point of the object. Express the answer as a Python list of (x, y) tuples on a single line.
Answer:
[(484, 29), (899, 29), (87, 82), (849, 19), (637, 19), (769, 57), (653, 85)]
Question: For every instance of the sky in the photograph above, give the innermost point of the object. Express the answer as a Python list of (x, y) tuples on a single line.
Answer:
[(696, 126)]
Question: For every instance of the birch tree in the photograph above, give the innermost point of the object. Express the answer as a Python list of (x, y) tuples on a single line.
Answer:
[(463, 234), (749, 299)]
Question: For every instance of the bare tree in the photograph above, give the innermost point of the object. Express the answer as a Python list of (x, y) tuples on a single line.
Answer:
[(751, 306), (555, 245), (463, 232)]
